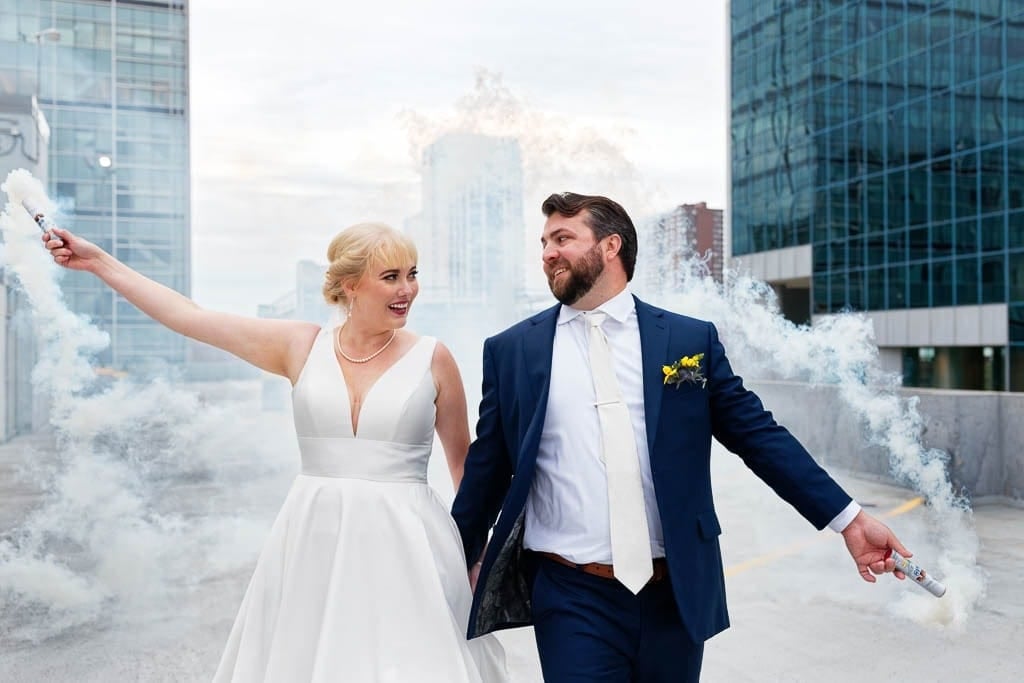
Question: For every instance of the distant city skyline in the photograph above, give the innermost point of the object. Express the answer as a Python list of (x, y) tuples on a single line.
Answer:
[(296, 133)]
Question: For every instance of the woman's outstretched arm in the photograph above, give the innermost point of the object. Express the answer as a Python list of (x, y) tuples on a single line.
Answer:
[(277, 346)]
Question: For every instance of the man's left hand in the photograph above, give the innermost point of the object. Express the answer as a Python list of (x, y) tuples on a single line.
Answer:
[(474, 576), (869, 542)]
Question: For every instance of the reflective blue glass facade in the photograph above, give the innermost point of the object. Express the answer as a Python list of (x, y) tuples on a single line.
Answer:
[(889, 135), (114, 88)]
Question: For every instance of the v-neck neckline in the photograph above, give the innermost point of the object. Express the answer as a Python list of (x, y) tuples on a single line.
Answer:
[(354, 418)]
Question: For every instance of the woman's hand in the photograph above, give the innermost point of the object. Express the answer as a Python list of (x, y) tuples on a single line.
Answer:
[(70, 250)]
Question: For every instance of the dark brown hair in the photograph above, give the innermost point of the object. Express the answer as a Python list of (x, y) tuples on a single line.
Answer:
[(604, 217)]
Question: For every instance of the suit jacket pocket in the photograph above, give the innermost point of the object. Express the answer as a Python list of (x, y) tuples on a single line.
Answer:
[(689, 402), (708, 524)]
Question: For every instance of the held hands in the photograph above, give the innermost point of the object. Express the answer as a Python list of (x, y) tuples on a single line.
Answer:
[(869, 542), (70, 250), (474, 571), (474, 575)]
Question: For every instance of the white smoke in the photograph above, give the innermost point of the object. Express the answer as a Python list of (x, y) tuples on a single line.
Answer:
[(840, 351), (109, 533), (559, 153)]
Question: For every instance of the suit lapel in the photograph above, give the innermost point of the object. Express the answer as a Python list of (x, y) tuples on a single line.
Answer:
[(654, 336), (537, 344)]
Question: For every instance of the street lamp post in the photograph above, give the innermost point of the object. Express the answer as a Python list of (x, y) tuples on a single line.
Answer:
[(106, 164), (50, 34), (107, 167)]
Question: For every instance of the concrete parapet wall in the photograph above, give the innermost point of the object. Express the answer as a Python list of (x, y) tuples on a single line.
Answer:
[(983, 433)]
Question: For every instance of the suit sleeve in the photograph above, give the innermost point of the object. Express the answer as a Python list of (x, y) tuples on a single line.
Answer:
[(741, 423), (488, 470)]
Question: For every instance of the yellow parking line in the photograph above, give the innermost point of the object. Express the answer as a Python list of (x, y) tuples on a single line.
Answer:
[(794, 548), (906, 507)]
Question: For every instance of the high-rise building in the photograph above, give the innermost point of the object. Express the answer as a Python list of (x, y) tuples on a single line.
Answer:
[(877, 163), (470, 233), (470, 238), (112, 79), (678, 235)]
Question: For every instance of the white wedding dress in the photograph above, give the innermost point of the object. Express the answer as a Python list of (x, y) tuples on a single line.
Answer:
[(363, 578)]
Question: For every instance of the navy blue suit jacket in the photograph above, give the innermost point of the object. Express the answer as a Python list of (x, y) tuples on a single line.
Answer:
[(680, 424)]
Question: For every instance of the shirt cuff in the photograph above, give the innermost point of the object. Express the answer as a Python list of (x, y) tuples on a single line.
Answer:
[(843, 519)]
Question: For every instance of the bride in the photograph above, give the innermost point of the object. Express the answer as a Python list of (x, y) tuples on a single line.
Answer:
[(363, 576)]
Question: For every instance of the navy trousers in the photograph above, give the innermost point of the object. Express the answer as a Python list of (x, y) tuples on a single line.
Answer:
[(593, 630)]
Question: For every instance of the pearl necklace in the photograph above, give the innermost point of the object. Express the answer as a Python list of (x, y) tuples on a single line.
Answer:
[(337, 347)]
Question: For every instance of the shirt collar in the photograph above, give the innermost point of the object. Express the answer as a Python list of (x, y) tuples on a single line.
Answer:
[(618, 308)]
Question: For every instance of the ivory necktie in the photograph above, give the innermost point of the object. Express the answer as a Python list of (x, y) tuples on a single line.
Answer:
[(631, 541)]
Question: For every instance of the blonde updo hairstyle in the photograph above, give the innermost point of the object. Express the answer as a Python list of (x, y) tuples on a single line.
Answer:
[(359, 248)]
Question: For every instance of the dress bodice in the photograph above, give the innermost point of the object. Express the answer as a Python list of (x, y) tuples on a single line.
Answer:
[(396, 420)]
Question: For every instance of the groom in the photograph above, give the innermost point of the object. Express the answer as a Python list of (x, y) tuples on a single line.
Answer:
[(594, 444)]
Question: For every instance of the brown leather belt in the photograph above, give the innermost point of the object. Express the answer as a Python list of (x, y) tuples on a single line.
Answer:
[(606, 571)]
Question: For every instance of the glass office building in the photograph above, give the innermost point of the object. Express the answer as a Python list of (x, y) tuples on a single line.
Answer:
[(884, 142), (112, 79)]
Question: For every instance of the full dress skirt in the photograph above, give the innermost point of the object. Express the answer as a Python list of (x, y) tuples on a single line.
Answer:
[(363, 577)]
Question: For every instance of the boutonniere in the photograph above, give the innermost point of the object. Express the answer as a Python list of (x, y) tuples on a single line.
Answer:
[(686, 369)]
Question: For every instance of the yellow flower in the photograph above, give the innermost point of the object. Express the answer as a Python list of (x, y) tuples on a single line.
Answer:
[(686, 369)]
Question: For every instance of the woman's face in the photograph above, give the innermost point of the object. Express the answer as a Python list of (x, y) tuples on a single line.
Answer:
[(384, 295)]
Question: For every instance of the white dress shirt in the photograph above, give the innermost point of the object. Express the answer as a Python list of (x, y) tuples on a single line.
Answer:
[(567, 509)]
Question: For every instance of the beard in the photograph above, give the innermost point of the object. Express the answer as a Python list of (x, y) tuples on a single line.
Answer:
[(579, 278)]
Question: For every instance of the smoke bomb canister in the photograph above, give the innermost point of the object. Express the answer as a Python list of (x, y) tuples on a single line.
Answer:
[(919, 576), (44, 223)]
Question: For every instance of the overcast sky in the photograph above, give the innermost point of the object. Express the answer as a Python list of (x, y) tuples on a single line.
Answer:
[(309, 115)]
